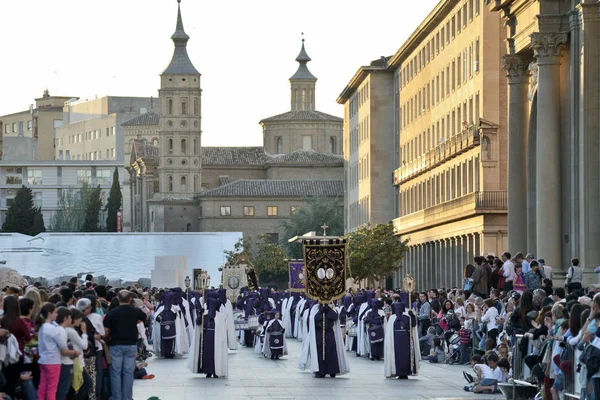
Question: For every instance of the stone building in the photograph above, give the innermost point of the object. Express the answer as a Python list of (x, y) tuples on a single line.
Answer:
[(446, 118), (178, 185), (552, 60), (29, 134)]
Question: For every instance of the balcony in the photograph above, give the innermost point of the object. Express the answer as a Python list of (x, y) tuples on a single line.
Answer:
[(476, 203), (456, 145)]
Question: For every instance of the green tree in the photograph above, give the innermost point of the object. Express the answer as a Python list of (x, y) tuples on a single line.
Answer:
[(242, 246), (21, 213), (317, 211), (375, 252), (92, 212), (271, 263), (38, 223), (71, 210), (113, 206)]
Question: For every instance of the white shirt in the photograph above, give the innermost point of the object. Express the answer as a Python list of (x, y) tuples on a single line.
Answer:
[(508, 270), (499, 375), (486, 371), (96, 321), (79, 343), (490, 317)]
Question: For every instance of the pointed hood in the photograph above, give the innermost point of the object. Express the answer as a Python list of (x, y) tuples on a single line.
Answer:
[(180, 62), (303, 72)]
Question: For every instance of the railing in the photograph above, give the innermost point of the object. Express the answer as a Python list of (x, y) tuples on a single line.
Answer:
[(494, 200), (455, 145)]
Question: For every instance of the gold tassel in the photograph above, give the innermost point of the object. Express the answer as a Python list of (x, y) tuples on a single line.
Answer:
[(323, 336)]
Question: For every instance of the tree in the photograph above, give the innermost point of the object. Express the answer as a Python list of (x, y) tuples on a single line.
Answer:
[(375, 252), (318, 211), (38, 223), (113, 206), (242, 246), (92, 212), (71, 210), (21, 214), (271, 263)]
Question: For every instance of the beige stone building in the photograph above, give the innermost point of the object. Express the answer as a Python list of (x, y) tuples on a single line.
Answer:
[(177, 185), (552, 59), (29, 134), (446, 118)]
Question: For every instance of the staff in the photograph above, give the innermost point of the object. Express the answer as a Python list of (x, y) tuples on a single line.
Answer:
[(203, 281)]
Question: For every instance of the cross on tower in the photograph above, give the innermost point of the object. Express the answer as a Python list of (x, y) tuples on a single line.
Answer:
[(324, 227)]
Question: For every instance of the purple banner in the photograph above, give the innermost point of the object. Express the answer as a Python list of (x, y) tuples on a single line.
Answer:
[(297, 276)]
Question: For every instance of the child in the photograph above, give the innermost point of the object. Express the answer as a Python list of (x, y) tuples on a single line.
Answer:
[(559, 381), (426, 342), (81, 343), (486, 381), (140, 370), (437, 352), (51, 347), (63, 319), (465, 339)]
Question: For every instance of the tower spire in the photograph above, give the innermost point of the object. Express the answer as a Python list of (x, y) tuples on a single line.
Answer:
[(180, 63), (303, 83)]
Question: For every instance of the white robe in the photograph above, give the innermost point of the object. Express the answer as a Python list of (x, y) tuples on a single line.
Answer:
[(389, 360), (220, 349), (298, 321), (308, 357), (362, 344), (227, 310), (287, 321)]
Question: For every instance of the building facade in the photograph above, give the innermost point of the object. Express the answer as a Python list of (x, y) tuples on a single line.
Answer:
[(29, 134), (49, 179), (91, 129), (368, 137), (552, 60), (446, 120)]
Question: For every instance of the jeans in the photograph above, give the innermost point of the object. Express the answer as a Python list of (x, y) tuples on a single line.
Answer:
[(28, 390), (464, 354), (64, 382), (99, 375), (121, 371)]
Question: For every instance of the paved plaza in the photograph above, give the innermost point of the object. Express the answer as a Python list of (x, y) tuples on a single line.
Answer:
[(253, 377)]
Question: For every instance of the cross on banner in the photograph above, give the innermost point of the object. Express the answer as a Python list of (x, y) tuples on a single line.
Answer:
[(324, 227)]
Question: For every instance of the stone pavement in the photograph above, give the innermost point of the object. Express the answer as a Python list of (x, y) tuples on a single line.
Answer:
[(253, 377)]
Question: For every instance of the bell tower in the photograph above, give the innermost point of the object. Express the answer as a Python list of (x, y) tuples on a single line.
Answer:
[(179, 123), (303, 84)]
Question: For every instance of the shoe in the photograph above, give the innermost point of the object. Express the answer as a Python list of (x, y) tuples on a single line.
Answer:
[(209, 375), (467, 389), (332, 375), (215, 376), (151, 376), (403, 377), (468, 377)]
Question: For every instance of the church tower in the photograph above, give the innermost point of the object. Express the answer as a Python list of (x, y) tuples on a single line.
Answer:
[(172, 207), (303, 84), (179, 126)]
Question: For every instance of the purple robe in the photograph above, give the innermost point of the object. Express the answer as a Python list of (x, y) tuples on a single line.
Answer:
[(206, 364), (402, 347), (325, 319)]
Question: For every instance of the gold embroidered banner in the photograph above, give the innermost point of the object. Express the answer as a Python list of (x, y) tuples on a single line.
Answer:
[(325, 269)]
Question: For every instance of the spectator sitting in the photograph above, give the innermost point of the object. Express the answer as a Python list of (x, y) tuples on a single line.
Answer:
[(437, 356)]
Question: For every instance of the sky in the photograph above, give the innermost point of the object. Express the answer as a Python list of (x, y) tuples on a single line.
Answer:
[(245, 51)]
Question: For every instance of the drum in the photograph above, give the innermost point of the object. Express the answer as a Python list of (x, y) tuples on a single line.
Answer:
[(352, 331), (276, 340), (253, 322)]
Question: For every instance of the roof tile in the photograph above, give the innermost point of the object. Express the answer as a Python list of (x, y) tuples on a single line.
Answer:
[(277, 188)]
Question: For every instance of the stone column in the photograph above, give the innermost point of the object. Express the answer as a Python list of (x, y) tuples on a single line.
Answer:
[(588, 144), (547, 49), (518, 118)]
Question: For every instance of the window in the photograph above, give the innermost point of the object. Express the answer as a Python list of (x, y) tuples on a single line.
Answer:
[(465, 65), (332, 144), (183, 181), (272, 211), (195, 183), (306, 142), (103, 176), (60, 154), (184, 107), (10, 196), (458, 74), (113, 131), (458, 21), (170, 106), (196, 146), (294, 210), (476, 62), (225, 211), (84, 175), (453, 28), (29, 125), (465, 15), (477, 5), (155, 142), (170, 142), (443, 37), (183, 146), (67, 154), (37, 199), (248, 211), (470, 61), (470, 10), (107, 132), (14, 176), (279, 145), (34, 176), (14, 127), (453, 75), (113, 153), (107, 154), (7, 128), (170, 180), (196, 106)]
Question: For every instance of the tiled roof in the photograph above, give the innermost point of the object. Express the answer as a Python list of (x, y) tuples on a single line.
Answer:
[(278, 188), (306, 156), (224, 180), (144, 119), (234, 156), (303, 115)]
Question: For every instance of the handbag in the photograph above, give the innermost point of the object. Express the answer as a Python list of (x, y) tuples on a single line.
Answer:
[(77, 381), (468, 285), (501, 279)]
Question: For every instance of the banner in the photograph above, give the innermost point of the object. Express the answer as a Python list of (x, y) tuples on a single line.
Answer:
[(252, 280), (297, 276), (325, 269)]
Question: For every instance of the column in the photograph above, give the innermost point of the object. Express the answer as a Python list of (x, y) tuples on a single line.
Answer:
[(478, 244), (547, 49), (518, 119), (588, 144)]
